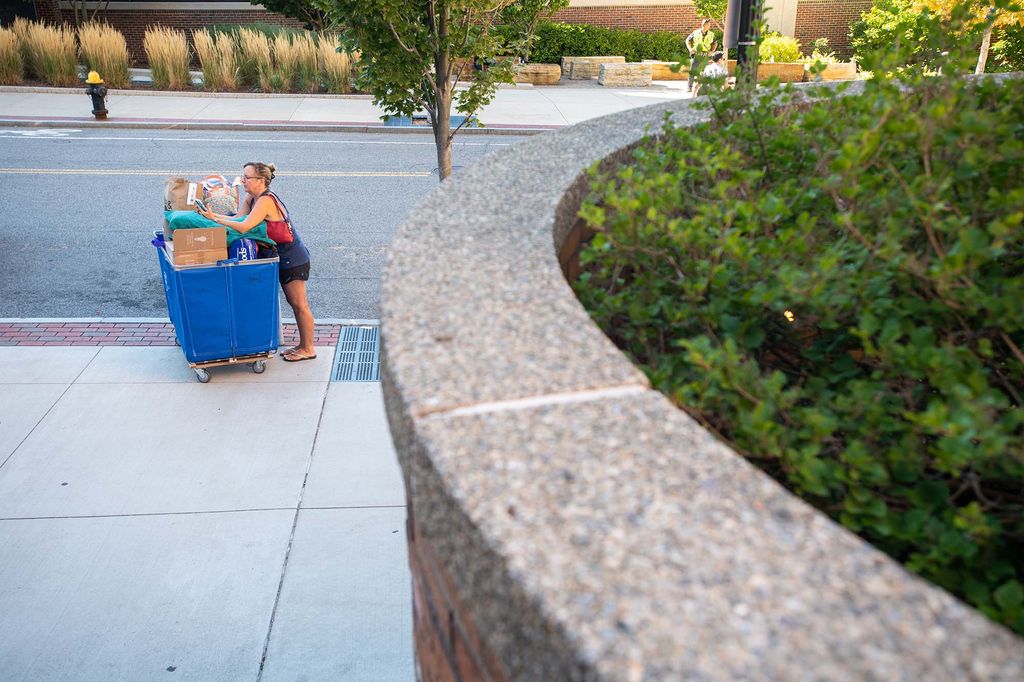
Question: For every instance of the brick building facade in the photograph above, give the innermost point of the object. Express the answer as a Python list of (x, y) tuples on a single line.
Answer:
[(678, 18), (827, 19), (807, 20)]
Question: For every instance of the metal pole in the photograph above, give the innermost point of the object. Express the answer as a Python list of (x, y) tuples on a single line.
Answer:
[(745, 33), (739, 29)]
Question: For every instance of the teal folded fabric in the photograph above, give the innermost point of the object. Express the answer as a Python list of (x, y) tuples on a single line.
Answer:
[(187, 220)]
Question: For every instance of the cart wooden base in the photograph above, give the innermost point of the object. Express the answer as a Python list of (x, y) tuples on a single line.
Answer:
[(257, 361)]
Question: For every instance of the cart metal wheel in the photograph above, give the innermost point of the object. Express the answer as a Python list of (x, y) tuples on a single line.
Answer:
[(202, 375), (259, 367)]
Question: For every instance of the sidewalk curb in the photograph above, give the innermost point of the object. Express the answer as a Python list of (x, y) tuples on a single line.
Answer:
[(132, 92), (312, 127), (157, 332), (326, 321), (53, 90)]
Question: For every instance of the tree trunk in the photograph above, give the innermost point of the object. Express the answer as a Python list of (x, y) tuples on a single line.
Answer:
[(983, 54), (442, 131), (529, 39), (443, 88)]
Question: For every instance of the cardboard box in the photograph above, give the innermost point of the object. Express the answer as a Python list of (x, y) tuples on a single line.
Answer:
[(198, 246)]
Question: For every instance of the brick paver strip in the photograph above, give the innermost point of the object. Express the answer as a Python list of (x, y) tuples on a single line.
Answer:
[(124, 334)]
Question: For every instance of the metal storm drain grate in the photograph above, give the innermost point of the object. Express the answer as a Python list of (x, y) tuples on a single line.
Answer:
[(357, 357)]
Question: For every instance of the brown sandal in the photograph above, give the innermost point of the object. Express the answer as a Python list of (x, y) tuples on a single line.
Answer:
[(296, 356)]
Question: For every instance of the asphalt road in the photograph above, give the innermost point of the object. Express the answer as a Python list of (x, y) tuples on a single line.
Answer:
[(78, 209)]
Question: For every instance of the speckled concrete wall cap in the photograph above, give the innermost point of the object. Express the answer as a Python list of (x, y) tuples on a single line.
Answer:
[(548, 475)]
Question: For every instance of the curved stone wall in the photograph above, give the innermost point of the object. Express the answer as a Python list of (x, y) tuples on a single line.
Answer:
[(568, 522)]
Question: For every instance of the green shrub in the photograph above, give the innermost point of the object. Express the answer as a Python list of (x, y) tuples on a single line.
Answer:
[(888, 25), (1008, 50), (775, 47), (821, 53), (836, 289), (556, 40)]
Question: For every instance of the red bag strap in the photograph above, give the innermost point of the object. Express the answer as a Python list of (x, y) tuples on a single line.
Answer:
[(280, 206)]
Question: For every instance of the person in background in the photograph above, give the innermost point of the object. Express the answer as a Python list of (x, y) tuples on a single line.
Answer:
[(259, 205), (700, 43), (715, 71)]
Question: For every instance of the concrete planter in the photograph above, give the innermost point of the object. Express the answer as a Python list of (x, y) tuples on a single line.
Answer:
[(840, 71), (584, 68), (565, 521), (538, 74), (662, 71), (787, 72), (631, 75)]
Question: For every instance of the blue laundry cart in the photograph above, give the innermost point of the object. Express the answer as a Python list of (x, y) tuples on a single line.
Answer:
[(223, 313)]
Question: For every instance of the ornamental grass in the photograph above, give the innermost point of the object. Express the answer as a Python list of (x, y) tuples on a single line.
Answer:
[(307, 71), (256, 66), (168, 54), (218, 55), (336, 66), (104, 50), (53, 54), (286, 65), (12, 66), (21, 28)]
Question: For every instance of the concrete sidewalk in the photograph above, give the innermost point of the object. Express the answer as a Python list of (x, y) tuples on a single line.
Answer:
[(514, 109), (154, 527)]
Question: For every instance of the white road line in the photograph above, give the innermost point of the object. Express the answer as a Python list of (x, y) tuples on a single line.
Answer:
[(197, 173)]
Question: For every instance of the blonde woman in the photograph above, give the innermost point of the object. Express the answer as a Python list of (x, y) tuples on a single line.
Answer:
[(262, 205)]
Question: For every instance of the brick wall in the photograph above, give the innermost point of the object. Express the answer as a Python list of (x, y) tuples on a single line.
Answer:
[(828, 19), (676, 18), (448, 646)]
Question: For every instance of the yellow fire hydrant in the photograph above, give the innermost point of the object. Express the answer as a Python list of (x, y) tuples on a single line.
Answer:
[(98, 91)]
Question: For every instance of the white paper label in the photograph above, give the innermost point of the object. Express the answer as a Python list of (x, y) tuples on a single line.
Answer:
[(193, 189)]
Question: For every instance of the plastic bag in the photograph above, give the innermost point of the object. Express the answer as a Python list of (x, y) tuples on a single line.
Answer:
[(243, 249)]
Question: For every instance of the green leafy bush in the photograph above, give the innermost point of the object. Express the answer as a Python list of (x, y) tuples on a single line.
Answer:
[(821, 53), (776, 47), (556, 40), (889, 25), (836, 288), (1008, 49)]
